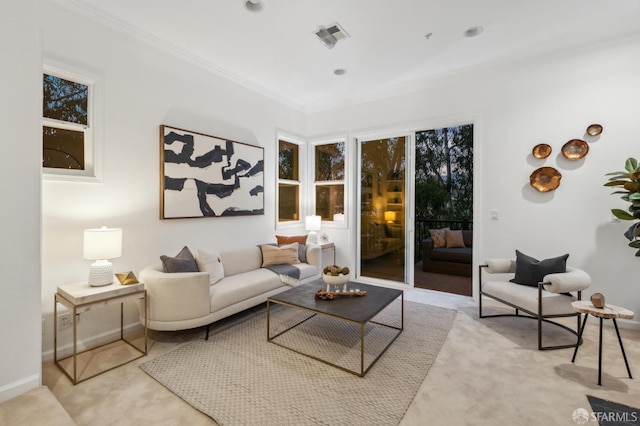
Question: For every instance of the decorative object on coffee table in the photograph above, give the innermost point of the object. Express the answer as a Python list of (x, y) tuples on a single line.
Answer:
[(330, 295), (335, 275), (597, 300)]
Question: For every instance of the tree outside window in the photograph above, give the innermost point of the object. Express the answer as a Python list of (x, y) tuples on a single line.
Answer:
[(329, 172), (288, 181), (444, 173), (65, 127)]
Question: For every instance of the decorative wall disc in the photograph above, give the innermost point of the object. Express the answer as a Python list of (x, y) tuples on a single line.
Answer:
[(541, 150), (575, 149), (545, 179), (594, 130)]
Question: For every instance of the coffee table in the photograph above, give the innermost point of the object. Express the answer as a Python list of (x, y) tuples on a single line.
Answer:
[(354, 310)]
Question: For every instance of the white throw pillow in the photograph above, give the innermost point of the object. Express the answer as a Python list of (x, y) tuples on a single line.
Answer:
[(210, 262)]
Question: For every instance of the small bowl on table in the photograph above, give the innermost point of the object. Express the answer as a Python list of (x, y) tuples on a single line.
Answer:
[(333, 281)]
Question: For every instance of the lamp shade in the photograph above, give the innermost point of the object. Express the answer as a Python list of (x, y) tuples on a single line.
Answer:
[(313, 223), (389, 216), (102, 243)]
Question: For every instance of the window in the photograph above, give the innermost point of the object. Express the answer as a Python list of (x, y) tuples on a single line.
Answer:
[(329, 173), (288, 181), (68, 128)]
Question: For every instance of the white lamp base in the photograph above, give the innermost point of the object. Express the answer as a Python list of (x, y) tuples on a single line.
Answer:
[(101, 273), (312, 237)]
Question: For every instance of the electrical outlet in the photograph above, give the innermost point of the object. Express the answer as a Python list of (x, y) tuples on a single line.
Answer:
[(64, 321)]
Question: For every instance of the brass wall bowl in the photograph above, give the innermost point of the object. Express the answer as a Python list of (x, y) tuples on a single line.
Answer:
[(545, 179), (594, 130), (542, 150), (575, 149)]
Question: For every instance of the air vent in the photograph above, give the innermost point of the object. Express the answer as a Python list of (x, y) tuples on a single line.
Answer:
[(331, 34)]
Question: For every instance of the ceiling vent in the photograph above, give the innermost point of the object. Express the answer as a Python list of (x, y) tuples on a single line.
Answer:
[(331, 34)]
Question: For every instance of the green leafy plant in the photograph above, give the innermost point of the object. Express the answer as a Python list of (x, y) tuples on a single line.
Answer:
[(629, 181)]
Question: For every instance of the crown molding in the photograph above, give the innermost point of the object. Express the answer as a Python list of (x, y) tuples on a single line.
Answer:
[(167, 47)]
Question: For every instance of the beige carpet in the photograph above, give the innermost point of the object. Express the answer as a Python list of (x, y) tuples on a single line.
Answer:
[(238, 378)]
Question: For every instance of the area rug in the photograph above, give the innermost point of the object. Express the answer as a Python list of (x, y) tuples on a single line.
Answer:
[(609, 413), (238, 378)]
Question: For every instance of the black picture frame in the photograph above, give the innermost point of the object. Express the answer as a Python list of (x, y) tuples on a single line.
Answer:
[(207, 176)]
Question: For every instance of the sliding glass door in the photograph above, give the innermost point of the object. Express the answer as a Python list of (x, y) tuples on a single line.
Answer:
[(382, 214)]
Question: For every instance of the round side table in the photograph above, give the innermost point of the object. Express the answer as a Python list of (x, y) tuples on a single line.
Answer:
[(608, 312)]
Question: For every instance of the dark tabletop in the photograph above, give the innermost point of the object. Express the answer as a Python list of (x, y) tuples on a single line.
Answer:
[(359, 309)]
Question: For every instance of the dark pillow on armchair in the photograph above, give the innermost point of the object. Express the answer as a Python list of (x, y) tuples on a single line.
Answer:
[(530, 271), (182, 262)]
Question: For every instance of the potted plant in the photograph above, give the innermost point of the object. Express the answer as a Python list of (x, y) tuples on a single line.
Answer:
[(629, 181)]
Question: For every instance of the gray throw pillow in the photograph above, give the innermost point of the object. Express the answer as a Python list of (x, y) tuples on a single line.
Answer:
[(182, 262), (302, 253), (530, 271)]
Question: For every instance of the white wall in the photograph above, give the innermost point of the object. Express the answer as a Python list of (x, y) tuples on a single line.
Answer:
[(20, 112), (143, 88), (551, 101)]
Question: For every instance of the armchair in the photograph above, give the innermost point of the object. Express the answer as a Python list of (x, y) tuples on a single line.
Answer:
[(550, 299)]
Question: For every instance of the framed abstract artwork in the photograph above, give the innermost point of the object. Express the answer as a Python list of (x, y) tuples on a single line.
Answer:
[(206, 176)]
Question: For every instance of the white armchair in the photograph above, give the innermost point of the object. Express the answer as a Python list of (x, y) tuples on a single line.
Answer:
[(550, 299)]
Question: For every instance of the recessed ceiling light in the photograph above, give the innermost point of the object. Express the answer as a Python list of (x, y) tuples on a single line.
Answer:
[(339, 71), (473, 31), (254, 5)]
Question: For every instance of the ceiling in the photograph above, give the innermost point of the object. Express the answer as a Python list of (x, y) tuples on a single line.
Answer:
[(393, 45)]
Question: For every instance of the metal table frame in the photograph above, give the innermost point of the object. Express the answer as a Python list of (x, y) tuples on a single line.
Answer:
[(77, 309), (362, 325), (624, 355)]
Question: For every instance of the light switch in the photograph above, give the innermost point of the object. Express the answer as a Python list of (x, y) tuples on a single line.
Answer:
[(494, 214)]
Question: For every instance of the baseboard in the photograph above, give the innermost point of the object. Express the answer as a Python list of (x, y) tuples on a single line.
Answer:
[(101, 339), (19, 387)]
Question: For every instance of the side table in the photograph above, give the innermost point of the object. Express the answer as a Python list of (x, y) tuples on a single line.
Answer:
[(328, 254), (81, 297), (608, 312)]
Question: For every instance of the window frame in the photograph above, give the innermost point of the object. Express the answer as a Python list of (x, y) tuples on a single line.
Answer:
[(93, 140), (313, 184), (300, 183)]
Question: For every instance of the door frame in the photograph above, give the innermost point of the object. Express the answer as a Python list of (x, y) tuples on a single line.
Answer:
[(409, 213)]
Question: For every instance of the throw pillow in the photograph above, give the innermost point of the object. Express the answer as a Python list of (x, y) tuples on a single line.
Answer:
[(210, 262), (300, 239), (302, 253), (182, 262), (453, 238), (437, 235), (530, 271), (284, 254)]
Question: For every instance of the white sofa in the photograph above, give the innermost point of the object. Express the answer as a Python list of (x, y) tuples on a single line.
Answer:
[(184, 300), (551, 298)]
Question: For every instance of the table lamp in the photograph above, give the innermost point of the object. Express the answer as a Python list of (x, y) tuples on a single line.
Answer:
[(313, 224), (390, 216), (102, 244)]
